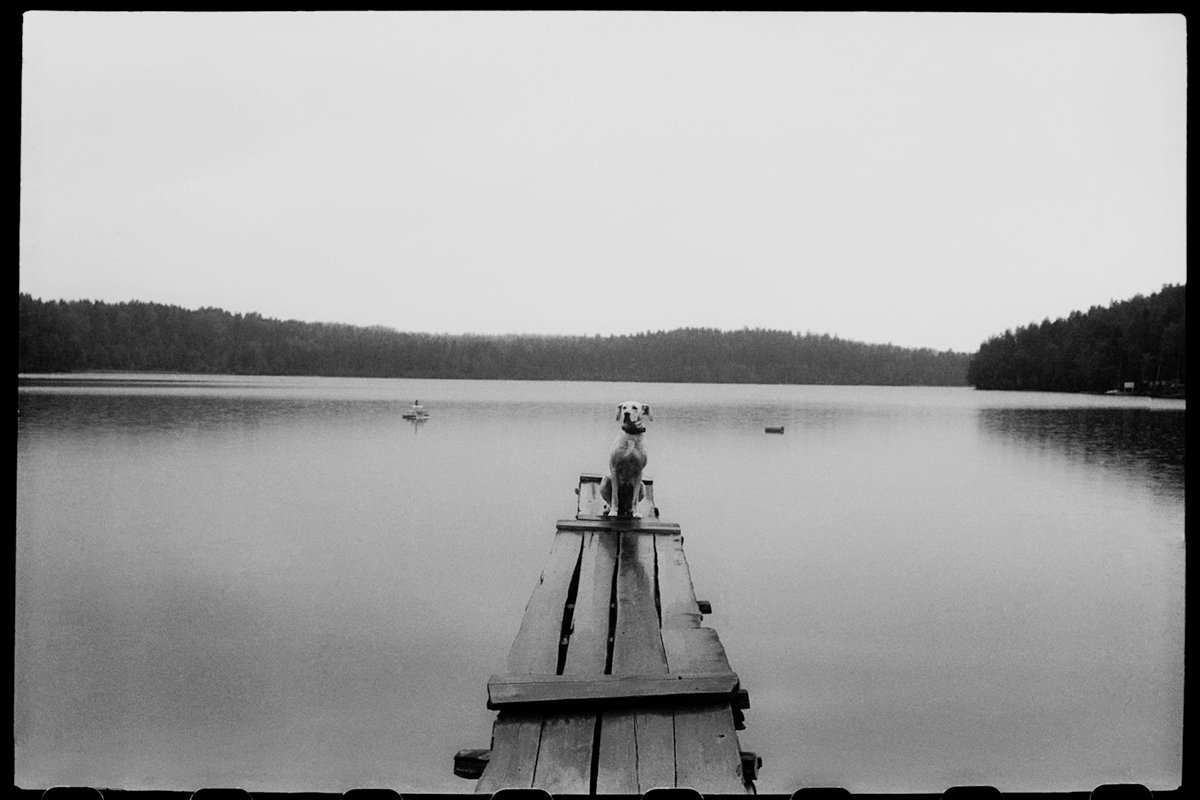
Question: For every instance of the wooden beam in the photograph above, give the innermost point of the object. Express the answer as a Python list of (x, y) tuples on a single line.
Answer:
[(506, 691), (618, 524)]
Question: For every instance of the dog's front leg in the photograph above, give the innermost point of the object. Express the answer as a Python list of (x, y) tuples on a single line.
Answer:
[(614, 495), (635, 494)]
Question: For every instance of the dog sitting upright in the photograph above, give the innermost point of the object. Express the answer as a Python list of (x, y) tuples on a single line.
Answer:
[(622, 488)]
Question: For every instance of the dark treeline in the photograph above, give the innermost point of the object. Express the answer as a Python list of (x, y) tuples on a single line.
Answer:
[(1139, 340), (72, 336)]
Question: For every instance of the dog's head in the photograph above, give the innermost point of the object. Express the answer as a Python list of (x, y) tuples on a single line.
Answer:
[(631, 413)]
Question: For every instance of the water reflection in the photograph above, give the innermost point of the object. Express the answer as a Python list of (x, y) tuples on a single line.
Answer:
[(274, 583), (149, 412), (1145, 444)]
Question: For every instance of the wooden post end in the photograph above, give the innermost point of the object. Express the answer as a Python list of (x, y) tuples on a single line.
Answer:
[(470, 764), (751, 764)]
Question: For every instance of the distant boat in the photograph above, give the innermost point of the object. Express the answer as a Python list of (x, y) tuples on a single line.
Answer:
[(774, 429), (416, 412)]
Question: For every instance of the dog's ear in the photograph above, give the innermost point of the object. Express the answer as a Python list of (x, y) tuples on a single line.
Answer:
[(618, 412), (646, 413)]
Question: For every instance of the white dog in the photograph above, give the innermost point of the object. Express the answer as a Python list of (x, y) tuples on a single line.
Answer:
[(622, 488)]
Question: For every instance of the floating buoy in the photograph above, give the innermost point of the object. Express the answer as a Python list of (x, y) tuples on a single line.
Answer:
[(774, 429)]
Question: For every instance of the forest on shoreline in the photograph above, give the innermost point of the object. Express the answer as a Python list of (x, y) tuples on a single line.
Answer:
[(1131, 345), (1141, 341), (84, 335)]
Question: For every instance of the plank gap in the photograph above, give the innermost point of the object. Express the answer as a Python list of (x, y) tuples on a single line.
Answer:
[(595, 756), (657, 594), (675, 741), (612, 613), (537, 753), (636, 756), (564, 640)]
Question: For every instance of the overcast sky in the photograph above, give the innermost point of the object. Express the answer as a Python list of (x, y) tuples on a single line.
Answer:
[(921, 179)]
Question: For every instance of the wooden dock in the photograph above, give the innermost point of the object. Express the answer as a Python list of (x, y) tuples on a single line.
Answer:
[(612, 686)]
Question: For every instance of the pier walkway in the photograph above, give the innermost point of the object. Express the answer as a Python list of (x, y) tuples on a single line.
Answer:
[(612, 686)]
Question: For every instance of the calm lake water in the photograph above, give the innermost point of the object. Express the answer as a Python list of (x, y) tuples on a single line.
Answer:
[(277, 583)]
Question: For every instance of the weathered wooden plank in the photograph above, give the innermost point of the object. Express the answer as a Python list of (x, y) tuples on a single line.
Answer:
[(655, 749), (689, 648), (615, 772), (637, 751), (516, 737), (564, 760), (511, 690), (706, 752), (694, 651), (637, 645), (590, 502), (565, 757), (535, 649), (618, 524), (637, 649), (587, 652), (646, 504), (678, 598)]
